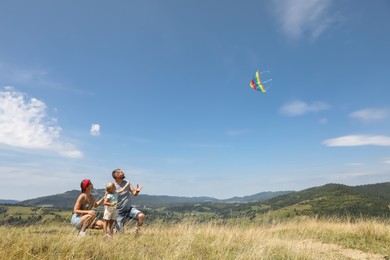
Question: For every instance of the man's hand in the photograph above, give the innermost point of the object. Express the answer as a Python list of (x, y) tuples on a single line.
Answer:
[(139, 188)]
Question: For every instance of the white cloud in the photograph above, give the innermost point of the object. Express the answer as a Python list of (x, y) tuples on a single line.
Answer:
[(297, 108), (358, 140), (95, 129), (24, 124), (370, 114), (300, 17)]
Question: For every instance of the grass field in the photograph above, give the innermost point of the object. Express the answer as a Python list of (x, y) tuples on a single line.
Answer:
[(298, 238)]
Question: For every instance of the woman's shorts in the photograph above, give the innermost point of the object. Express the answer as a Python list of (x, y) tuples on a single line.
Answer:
[(76, 220)]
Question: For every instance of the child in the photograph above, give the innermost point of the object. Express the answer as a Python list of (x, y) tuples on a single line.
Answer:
[(110, 201)]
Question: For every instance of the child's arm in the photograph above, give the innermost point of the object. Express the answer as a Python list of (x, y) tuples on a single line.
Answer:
[(107, 202), (124, 187)]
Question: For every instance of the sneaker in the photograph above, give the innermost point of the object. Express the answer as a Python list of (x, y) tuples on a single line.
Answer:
[(82, 234)]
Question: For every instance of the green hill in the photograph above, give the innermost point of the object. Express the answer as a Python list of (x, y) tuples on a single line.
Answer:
[(323, 201), (336, 199)]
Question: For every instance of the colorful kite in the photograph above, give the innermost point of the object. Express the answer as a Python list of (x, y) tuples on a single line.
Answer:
[(257, 84)]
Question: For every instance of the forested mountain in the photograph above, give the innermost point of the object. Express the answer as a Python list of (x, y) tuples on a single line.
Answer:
[(66, 200), (328, 200)]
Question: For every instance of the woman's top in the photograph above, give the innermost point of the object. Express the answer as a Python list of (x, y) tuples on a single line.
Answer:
[(86, 204)]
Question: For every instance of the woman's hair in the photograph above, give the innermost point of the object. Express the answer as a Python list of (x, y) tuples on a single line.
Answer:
[(84, 184), (109, 186)]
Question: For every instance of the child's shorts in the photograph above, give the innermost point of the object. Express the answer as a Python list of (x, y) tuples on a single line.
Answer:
[(109, 213)]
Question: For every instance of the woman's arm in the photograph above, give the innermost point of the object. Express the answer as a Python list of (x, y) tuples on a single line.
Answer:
[(97, 203)]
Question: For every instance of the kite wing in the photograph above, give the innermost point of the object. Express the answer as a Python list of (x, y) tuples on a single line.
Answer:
[(256, 83)]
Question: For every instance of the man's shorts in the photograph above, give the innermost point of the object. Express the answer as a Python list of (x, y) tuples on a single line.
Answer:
[(131, 213), (109, 213)]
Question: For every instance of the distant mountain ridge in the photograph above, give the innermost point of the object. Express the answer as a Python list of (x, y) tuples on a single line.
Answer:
[(9, 201), (66, 200)]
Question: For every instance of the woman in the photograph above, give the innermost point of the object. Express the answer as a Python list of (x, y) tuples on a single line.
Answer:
[(83, 216)]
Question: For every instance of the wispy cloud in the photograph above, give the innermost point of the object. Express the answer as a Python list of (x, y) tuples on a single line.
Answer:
[(36, 77), (356, 164), (358, 140), (236, 132), (199, 145), (24, 124), (370, 114), (323, 121), (300, 17), (353, 175), (48, 176), (387, 161), (95, 130), (176, 161), (22, 76), (297, 108)]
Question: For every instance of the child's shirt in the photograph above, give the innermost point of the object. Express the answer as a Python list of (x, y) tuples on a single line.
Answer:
[(112, 198)]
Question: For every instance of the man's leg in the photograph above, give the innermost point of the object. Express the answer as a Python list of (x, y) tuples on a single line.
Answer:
[(139, 216), (119, 221), (140, 219)]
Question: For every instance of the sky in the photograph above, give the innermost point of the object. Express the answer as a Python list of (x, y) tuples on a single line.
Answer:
[(161, 90)]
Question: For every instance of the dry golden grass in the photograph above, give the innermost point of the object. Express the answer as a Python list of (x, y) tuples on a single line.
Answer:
[(300, 238)]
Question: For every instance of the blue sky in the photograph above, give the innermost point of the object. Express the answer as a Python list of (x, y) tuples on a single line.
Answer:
[(161, 90)]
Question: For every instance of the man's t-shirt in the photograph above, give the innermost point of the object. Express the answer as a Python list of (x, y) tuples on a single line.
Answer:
[(123, 198)]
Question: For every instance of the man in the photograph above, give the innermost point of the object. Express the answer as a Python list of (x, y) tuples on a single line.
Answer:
[(124, 209)]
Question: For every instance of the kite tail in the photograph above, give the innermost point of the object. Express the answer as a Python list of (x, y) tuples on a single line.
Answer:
[(268, 86), (267, 81)]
